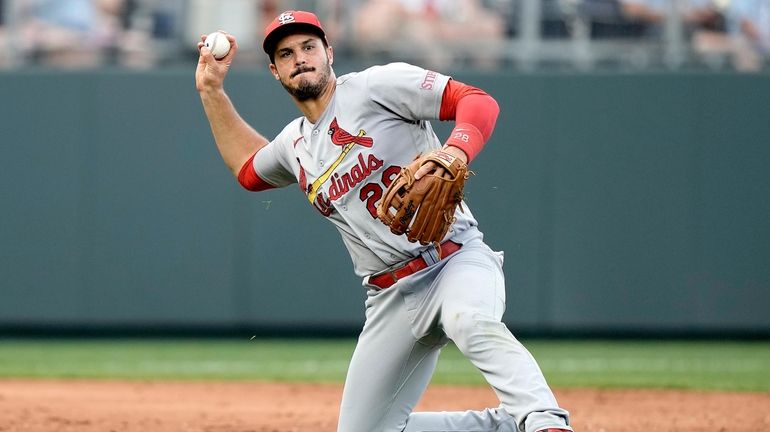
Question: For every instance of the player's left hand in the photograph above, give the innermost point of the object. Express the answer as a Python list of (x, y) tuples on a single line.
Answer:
[(424, 209), (438, 170)]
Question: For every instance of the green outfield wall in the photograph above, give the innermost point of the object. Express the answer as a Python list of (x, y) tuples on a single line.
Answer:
[(624, 202)]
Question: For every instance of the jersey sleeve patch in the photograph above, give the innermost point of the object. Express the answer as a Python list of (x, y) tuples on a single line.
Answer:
[(409, 91)]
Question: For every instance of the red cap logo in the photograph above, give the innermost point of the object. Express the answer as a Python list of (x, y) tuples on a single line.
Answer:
[(283, 24), (286, 17)]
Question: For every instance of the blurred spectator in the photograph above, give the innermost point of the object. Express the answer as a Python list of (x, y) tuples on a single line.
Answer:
[(556, 18), (753, 20), (645, 18), (651, 12), (68, 33), (439, 32), (239, 17), (695, 14), (3, 41), (609, 19), (151, 32), (750, 28)]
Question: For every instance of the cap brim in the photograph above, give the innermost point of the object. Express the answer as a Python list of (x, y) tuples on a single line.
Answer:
[(269, 45)]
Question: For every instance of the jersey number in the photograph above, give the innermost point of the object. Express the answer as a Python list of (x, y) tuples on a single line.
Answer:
[(372, 192), (461, 136)]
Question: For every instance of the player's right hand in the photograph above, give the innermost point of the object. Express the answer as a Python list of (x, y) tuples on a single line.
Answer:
[(210, 73)]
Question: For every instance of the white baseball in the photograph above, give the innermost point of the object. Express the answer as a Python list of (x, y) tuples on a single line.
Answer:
[(218, 44)]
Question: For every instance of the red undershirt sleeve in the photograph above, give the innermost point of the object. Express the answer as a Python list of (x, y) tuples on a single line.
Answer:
[(474, 112), (249, 179)]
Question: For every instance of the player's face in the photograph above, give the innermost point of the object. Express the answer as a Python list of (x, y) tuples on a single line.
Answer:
[(303, 65)]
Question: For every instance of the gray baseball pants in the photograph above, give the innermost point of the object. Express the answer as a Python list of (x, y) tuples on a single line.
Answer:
[(461, 298)]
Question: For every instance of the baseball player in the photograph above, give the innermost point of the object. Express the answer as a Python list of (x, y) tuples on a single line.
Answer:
[(355, 134)]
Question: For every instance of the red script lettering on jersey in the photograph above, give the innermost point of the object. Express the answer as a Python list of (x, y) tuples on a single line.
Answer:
[(342, 184), (427, 83)]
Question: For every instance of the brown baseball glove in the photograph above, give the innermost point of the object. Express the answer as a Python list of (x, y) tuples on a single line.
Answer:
[(424, 209)]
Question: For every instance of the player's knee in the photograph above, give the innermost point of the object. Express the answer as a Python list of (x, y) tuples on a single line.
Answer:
[(469, 330)]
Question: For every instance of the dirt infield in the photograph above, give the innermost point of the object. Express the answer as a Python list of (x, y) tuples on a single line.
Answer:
[(110, 406)]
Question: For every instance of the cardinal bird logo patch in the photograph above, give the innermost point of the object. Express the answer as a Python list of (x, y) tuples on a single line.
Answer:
[(341, 137), (342, 183)]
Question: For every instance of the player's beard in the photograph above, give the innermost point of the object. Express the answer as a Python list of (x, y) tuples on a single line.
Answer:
[(307, 89)]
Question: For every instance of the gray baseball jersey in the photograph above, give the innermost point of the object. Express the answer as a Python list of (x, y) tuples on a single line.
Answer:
[(376, 122)]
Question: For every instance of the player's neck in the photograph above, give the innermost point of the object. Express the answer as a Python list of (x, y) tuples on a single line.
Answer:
[(314, 108)]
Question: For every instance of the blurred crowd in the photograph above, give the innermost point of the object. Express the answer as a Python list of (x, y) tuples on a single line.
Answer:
[(715, 34)]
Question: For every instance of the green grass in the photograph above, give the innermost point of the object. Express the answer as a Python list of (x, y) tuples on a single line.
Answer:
[(741, 366)]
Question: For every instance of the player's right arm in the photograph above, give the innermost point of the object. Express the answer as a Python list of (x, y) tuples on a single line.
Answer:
[(236, 140)]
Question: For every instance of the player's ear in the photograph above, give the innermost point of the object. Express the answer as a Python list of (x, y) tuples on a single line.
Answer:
[(330, 54), (274, 71)]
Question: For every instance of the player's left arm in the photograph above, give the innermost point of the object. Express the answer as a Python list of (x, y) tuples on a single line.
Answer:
[(475, 114)]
